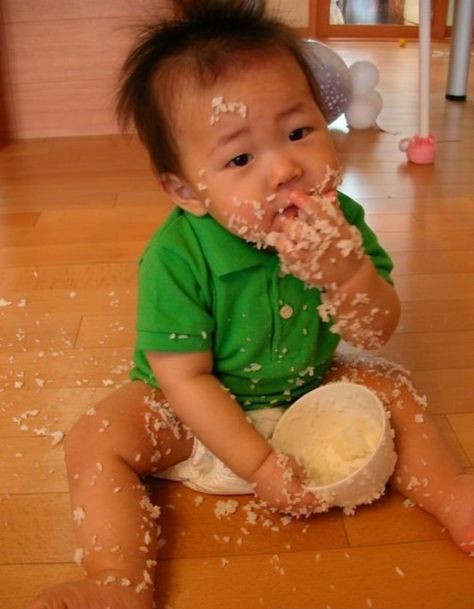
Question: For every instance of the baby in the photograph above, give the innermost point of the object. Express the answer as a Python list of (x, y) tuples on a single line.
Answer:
[(244, 294)]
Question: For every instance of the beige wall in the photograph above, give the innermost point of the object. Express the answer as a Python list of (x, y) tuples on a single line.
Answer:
[(62, 59), (295, 12)]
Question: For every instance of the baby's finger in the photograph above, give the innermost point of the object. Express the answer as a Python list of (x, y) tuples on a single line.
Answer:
[(286, 249), (315, 204)]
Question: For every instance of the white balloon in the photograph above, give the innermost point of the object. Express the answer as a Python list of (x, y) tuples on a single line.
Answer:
[(361, 113), (375, 99), (365, 76)]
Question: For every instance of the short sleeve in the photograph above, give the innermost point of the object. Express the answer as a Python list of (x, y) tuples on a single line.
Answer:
[(173, 304)]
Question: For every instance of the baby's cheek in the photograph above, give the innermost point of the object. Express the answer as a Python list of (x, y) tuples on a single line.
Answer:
[(330, 178)]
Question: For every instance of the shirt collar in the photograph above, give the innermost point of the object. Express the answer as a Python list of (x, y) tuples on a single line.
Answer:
[(226, 252)]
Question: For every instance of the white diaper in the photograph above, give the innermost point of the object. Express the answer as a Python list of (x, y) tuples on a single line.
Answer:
[(205, 473)]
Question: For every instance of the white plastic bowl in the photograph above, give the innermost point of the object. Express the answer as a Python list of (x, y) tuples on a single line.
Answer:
[(341, 433)]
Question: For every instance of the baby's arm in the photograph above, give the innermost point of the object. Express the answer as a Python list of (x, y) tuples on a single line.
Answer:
[(214, 417), (365, 309), (325, 251)]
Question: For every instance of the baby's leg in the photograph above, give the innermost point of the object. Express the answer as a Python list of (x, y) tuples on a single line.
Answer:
[(427, 472), (126, 437)]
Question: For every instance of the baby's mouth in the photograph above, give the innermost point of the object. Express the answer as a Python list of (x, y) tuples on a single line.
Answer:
[(293, 211), (290, 212)]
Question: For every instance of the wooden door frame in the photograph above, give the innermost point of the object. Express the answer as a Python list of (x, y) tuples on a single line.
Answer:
[(319, 26), (5, 123)]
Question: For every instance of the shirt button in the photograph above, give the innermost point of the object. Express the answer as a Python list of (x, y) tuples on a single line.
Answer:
[(286, 311)]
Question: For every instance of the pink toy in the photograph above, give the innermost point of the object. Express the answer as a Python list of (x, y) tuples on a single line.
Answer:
[(420, 150)]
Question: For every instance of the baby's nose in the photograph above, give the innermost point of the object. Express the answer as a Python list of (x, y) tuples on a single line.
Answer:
[(286, 173)]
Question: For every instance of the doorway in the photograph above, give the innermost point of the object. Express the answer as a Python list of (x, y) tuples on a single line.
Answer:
[(376, 18)]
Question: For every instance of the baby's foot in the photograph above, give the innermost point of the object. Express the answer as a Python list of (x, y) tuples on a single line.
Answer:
[(457, 512), (88, 594)]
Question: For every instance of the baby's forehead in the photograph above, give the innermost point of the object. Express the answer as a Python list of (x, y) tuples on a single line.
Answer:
[(208, 100)]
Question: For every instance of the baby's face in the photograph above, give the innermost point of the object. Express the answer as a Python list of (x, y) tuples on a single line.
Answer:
[(250, 140)]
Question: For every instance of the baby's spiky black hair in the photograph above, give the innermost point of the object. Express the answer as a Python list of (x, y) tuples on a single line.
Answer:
[(210, 36)]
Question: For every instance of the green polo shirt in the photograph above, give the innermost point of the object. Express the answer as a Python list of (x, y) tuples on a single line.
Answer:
[(203, 288)]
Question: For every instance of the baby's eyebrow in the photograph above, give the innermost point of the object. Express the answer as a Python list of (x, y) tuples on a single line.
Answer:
[(299, 106), (225, 138)]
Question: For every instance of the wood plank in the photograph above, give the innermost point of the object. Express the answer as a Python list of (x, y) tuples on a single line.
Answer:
[(430, 223), (30, 199), (300, 580), (36, 529), (413, 263), (26, 148), (416, 241), (442, 287), (72, 226), (38, 332), (390, 521), (448, 390), (121, 275), (118, 251), (19, 584), (416, 178), (32, 465), (190, 531), (110, 151), (109, 182), (436, 316), (463, 425), (400, 189), (8, 220), (109, 331), (141, 198), (195, 531), (434, 575), (86, 301), (354, 166), (21, 412), (65, 368), (431, 350), (454, 440), (419, 204), (71, 161)]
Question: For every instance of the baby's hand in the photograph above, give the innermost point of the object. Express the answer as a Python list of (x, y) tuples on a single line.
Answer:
[(281, 483), (318, 246)]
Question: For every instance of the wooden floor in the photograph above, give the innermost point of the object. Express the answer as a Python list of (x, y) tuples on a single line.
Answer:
[(74, 216)]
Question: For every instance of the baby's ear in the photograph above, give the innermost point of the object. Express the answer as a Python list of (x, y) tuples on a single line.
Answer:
[(182, 194)]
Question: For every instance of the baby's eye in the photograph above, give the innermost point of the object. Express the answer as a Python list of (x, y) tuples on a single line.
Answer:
[(240, 160), (299, 134)]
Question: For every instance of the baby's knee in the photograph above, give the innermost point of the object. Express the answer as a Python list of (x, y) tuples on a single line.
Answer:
[(390, 380), (77, 436), (81, 442)]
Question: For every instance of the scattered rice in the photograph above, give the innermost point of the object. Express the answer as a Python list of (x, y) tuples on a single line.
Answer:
[(224, 509), (79, 514), (78, 556)]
